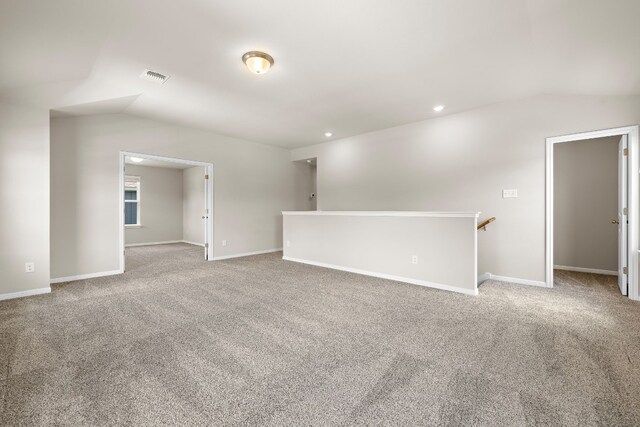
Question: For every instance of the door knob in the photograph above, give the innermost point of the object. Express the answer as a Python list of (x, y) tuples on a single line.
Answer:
[(615, 221)]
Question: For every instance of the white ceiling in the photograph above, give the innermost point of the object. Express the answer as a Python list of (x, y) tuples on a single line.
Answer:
[(345, 66)]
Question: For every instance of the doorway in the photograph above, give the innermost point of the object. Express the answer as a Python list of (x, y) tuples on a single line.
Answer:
[(307, 181), (620, 209), (165, 201)]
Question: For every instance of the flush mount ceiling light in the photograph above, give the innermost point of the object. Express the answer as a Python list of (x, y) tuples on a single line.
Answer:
[(438, 108), (328, 134), (257, 62), (136, 159)]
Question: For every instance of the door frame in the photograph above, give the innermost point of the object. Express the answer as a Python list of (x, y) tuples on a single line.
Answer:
[(209, 193), (632, 133)]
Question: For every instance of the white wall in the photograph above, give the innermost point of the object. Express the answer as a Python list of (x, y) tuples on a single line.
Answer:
[(384, 246), (253, 183), (160, 205), (193, 205), (461, 162), (585, 194), (24, 196)]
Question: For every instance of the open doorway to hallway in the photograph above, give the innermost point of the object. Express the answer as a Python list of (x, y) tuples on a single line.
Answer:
[(308, 168), (589, 240), (164, 202), (592, 207)]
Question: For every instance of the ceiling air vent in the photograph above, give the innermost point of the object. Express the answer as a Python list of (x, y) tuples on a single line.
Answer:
[(154, 76)]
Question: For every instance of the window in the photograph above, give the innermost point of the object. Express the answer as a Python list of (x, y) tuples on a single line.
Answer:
[(131, 201)]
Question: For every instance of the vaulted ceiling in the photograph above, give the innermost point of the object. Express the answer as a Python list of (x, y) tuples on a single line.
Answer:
[(346, 66)]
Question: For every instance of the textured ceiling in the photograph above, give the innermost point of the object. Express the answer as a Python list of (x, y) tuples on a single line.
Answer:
[(345, 66)]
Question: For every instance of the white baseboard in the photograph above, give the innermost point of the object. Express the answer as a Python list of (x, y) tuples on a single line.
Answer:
[(483, 278), (12, 295), (514, 280), (266, 251), (193, 243), (585, 270), (168, 242), (388, 276), (85, 276)]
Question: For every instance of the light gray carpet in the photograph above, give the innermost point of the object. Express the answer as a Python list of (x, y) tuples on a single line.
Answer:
[(260, 341)]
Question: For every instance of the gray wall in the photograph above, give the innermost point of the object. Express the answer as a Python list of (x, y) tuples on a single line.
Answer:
[(160, 205), (314, 187), (446, 256), (585, 201), (253, 183), (303, 185), (461, 162), (24, 197), (193, 205)]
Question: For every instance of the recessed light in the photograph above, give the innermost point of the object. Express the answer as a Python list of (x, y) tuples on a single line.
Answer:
[(328, 134), (438, 108), (257, 62), (308, 160), (136, 159)]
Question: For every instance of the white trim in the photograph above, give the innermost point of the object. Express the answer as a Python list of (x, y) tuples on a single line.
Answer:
[(192, 243), (633, 135), (603, 133), (388, 213), (121, 226), (633, 141), (483, 278), (210, 222), (585, 270), (475, 249), (164, 159), (388, 276), (12, 295), (85, 276), (168, 242), (266, 251), (131, 178), (517, 281)]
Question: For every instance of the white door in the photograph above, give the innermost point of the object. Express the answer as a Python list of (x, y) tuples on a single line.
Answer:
[(205, 216), (622, 217)]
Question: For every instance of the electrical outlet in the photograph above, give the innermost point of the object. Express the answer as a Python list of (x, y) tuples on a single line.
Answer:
[(414, 259), (288, 243), (508, 194), (224, 243), (29, 267)]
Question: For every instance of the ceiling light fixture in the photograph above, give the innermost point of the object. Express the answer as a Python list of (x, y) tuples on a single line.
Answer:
[(438, 108), (257, 62), (328, 134), (136, 159)]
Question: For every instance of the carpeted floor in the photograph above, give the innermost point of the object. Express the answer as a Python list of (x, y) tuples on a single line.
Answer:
[(260, 341)]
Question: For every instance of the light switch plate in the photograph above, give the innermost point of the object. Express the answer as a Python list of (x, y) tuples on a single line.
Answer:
[(511, 193)]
